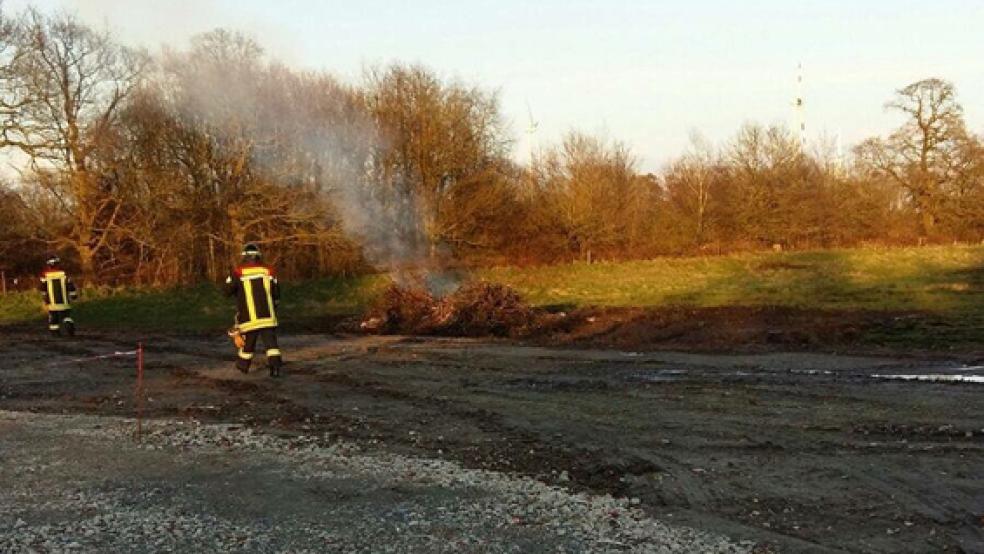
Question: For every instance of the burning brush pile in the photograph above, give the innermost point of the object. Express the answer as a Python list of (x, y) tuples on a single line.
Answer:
[(474, 310)]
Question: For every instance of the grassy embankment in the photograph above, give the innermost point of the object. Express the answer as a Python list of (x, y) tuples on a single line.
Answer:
[(944, 282), (937, 292), (931, 278)]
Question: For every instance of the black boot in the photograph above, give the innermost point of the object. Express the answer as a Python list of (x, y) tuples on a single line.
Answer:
[(245, 360)]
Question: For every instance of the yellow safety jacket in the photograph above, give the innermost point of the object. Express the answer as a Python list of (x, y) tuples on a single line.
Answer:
[(257, 293), (58, 290)]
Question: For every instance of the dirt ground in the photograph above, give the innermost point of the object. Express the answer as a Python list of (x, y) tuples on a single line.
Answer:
[(82, 483), (796, 452)]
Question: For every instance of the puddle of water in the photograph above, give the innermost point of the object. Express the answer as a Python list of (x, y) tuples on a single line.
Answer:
[(811, 371), (935, 378), (660, 375), (664, 375)]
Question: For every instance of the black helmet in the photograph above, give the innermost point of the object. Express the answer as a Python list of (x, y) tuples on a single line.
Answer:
[(52, 261), (251, 252)]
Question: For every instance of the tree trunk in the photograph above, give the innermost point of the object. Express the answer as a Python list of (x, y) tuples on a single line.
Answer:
[(86, 259), (213, 274), (927, 214), (928, 224)]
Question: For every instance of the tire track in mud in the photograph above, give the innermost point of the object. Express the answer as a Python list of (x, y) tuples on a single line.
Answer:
[(585, 470), (548, 460)]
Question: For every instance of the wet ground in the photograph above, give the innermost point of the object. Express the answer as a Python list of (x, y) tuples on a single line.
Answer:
[(797, 452)]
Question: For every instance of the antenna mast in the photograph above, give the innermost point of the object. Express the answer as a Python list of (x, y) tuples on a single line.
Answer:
[(800, 109), (530, 132)]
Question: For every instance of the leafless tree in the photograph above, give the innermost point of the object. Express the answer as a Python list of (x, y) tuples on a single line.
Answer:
[(68, 83), (689, 183), (442, 149), (592, 193), (926, 156)]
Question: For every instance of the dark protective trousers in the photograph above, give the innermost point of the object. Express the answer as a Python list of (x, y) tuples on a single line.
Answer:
[(274, 357), (58, 319)]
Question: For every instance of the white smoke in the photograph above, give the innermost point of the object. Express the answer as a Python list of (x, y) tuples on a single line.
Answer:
[(314, 127)]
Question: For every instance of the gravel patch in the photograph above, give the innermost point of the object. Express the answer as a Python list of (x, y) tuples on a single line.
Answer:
[(80, 483)]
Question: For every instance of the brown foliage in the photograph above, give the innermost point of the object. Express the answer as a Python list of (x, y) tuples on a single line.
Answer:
[(157, 173)]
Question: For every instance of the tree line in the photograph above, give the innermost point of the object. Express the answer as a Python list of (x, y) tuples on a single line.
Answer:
[(155, 169)]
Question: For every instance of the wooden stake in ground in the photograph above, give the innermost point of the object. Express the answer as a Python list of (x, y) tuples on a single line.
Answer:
[(139, 390)]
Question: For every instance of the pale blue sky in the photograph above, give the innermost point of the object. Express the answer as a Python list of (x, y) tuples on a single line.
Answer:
[(646, 73)]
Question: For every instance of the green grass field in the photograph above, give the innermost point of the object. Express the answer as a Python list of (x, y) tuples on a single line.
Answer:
[(946, 282), (943, 285), (932, 278)]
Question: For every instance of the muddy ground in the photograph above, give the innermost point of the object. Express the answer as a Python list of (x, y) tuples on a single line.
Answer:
[(797, 452)]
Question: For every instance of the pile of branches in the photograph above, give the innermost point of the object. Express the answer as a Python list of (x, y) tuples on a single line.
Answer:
[(474, 310)]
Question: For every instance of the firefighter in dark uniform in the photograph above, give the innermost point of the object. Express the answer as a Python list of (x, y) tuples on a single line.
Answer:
[(57, 293), (257, 294)]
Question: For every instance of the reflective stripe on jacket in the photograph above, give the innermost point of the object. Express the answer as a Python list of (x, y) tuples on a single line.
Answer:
[(57, 290), (257, 293)]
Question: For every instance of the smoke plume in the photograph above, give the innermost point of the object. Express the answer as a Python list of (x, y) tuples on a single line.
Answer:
[(314, 129)]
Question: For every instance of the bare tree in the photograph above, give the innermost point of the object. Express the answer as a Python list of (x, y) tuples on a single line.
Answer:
[(69, 82), (442, 144), (13, 98), (926, 155), (689, 182), (592, 193)]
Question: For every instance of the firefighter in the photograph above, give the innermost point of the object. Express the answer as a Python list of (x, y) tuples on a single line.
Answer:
[(257, 295), (57, 292)]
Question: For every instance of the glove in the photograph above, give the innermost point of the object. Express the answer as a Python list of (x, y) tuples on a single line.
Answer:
[(237, 337)]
